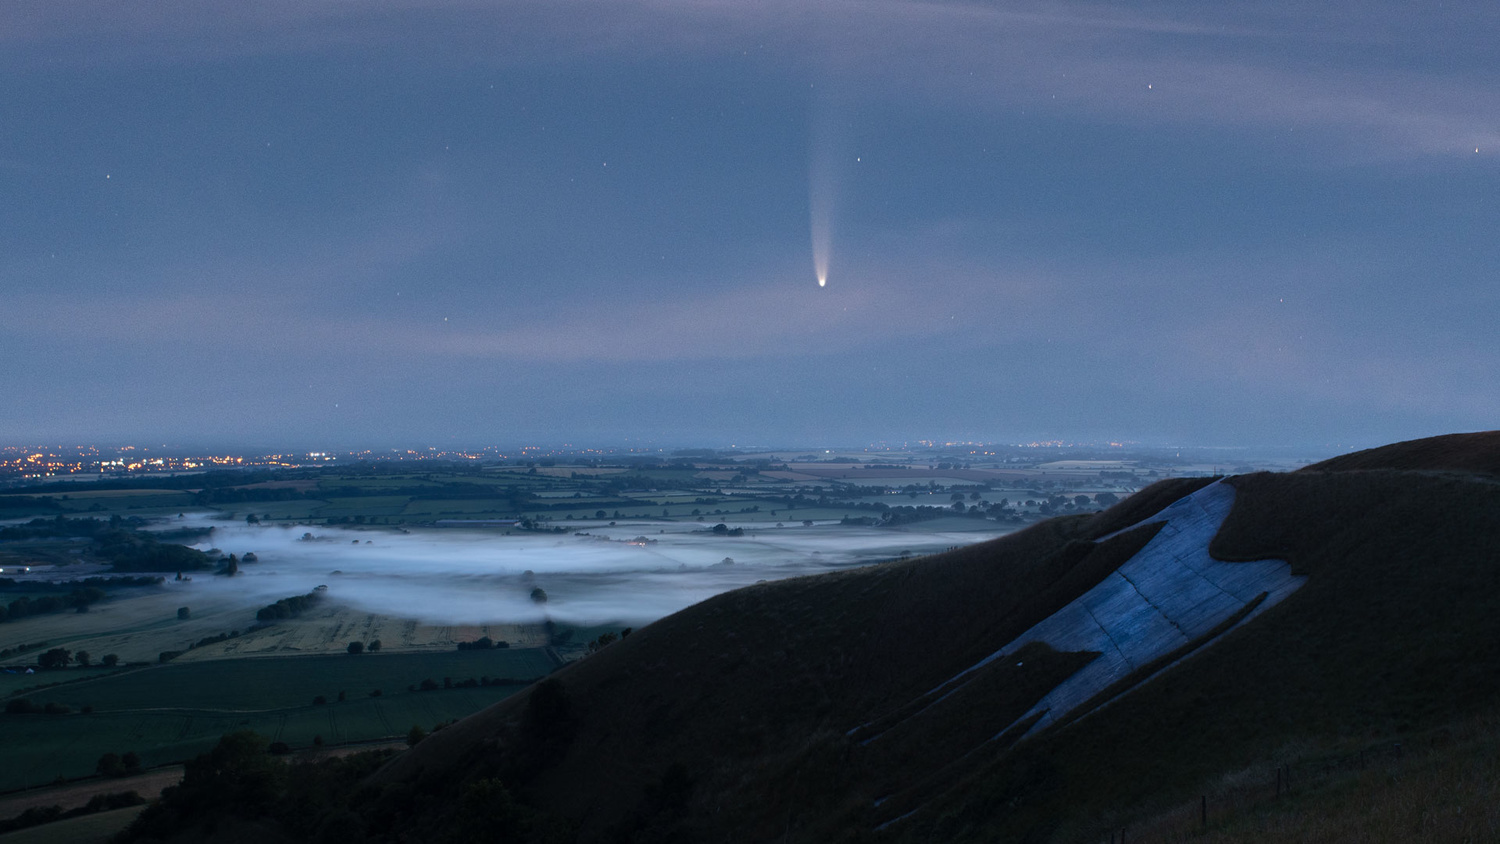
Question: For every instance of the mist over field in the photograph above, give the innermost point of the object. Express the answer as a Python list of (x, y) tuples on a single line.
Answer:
[(459, 576)]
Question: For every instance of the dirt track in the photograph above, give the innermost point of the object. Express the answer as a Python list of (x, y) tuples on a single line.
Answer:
[(73, 795)]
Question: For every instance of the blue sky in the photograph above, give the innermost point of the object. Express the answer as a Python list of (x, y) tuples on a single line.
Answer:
[(473, 222)]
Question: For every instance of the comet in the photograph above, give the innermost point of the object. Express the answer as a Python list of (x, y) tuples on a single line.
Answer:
[(825, 163), (820, 204)]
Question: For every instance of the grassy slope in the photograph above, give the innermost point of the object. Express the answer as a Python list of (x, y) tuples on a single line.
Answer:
[(1397, 629), (247, 685), (1442, 785), (1475, 453), (753, 691), (88, 829)]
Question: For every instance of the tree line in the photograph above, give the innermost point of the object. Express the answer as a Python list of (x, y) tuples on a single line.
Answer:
[(289, 607), (121, 541)]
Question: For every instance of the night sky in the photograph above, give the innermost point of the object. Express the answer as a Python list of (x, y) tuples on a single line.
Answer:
[(447, 222)]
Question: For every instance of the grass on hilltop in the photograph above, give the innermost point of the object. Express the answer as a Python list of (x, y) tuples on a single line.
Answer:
[(1477, 453)]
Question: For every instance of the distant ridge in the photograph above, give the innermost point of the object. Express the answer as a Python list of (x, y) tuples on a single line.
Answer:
[(1477, 453)]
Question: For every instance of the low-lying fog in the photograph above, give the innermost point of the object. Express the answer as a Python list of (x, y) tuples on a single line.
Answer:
[(459, 576)]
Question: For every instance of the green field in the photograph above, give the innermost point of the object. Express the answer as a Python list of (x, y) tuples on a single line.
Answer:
[(172, 712), (435, 507), (42, 748), (12, 683), (279, 682), (369, 505), (306, 508)]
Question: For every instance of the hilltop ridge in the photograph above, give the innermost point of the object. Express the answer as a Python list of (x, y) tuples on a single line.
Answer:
[(1477, 453)]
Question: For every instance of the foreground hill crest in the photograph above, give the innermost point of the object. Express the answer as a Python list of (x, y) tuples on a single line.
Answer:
[(1341, 608)]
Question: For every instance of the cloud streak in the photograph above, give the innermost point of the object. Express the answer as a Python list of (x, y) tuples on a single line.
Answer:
[(1273, 69)]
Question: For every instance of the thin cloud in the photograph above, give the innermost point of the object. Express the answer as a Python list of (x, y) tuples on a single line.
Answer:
[(1269, 69)]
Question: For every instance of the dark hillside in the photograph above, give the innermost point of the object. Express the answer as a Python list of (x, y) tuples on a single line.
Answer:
[(1396, 630), (1477, 453), (827, 708), (752, 692)]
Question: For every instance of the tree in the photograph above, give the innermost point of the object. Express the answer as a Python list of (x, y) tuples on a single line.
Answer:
[(55, 658), (538, 595), (110, 660), (238, 775), (110, 765), (1106, 499), (374, 646), (415, 735), (600, 643), (183, 613), (356, 647), (252, 519), (80, 599), (83, 658), (132, 761)]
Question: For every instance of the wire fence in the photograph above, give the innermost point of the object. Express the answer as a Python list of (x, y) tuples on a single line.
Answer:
[(1256, 789)]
